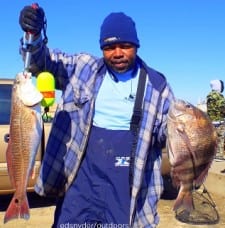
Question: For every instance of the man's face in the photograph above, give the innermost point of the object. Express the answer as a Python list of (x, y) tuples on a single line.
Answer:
[(120, 57)]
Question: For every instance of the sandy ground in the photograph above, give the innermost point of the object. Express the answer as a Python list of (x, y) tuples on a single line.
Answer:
[(42, 209), (211, 217)]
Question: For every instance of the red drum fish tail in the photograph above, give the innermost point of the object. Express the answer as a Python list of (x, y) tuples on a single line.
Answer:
[(17, 209), (201, 178)]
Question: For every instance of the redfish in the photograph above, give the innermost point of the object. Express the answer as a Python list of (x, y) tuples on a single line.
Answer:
[(25, 137), (191, 145)]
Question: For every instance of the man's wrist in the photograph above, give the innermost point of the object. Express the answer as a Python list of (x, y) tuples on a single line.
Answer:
[(36, 39)]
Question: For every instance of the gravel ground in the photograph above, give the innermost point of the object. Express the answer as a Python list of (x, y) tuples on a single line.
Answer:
[(42, 210)]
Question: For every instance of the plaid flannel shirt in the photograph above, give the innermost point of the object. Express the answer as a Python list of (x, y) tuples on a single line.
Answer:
[(79, 77)]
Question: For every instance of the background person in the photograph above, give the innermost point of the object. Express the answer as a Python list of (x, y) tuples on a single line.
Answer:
[(215, 102)]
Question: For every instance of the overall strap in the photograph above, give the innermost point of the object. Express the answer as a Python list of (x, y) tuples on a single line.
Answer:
[(137, 111), (135, 119)]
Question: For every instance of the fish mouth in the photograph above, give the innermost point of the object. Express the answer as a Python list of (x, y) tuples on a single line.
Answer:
[(178, 107), (26, 91), (178, 103)]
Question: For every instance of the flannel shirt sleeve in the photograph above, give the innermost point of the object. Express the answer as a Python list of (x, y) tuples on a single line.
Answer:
[(167, 98)]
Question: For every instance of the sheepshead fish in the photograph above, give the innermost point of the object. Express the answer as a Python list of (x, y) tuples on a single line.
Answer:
[(191, 145), (25, 136)]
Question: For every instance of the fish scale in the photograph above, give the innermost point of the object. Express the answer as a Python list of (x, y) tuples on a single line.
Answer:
[(20, 141)]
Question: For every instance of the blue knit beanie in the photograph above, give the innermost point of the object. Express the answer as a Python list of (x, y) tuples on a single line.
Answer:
[(118, 28)]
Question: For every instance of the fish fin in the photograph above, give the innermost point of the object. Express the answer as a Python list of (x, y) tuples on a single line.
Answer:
[(185, 200), (32, 173), (17, 209), (170, 151), (175, 177), (201, 178), (9, 159)]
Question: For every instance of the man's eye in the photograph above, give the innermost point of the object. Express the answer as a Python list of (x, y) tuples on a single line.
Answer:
[(121, 46), (107, 48), (126, 46)]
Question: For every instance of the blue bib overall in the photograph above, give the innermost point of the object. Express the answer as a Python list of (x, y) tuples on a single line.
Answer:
[(100, 193)]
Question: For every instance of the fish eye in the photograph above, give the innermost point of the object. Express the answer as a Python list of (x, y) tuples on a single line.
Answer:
[(188, 106)]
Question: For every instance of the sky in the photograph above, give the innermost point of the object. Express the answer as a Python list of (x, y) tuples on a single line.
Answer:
[(183, 39)]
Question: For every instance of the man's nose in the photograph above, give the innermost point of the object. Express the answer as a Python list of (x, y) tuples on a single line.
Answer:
[(118, 51)]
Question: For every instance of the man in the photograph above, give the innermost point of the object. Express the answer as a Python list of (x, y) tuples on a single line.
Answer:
[(215, 102), (103, 159)]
